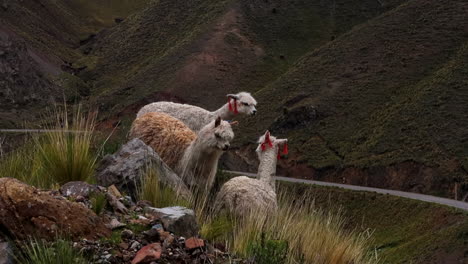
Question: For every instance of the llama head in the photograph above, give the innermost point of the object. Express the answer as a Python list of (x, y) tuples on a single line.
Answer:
[(268, 144), (242, 103), (217, 135)]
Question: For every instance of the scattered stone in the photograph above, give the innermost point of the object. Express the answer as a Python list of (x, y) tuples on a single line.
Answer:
[(123, 245), (144, 203), (124, 169), (152, 235), (135, 245), (114, 224), (148, 253), (114, 191), (24, 211), (116, 204), (193, 243), (127, 234), (78, 188), (177, 219)]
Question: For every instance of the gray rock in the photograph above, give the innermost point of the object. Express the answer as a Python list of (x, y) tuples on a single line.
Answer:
[(177, 219), (124, 169), (5, 253), (78, 188)]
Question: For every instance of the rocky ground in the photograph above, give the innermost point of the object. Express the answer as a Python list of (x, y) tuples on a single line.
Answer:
[(126, 232), (119, 228)]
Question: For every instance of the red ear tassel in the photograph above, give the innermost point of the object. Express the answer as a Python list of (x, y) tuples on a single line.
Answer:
[(231, 107), (285, 151), (235, 107), (267, 141)]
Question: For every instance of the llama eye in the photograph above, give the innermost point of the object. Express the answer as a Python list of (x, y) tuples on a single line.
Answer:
[(246, 104)]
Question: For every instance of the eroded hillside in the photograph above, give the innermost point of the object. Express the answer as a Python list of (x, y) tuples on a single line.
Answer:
[(368, 92)]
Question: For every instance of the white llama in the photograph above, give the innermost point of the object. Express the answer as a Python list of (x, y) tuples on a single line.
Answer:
[(196, 117), (194, 157), (243, 195)]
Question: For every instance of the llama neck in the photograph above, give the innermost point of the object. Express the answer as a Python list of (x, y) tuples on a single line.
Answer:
[(224, 112), (267, 167), (200, 164)]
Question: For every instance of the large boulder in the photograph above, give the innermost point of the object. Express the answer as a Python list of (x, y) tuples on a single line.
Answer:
[(26, 211), (177, 219), (125, 169)]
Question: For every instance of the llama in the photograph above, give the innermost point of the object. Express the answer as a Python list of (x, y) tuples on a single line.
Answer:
[(196, 117), (194, 157), (243, 195)]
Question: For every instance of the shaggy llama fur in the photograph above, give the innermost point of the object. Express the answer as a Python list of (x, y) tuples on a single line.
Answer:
[(243, 195), (168, 136), (196, 117), (194, 157)]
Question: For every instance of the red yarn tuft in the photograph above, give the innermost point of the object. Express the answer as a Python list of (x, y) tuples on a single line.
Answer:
[(231, 108), (285, 149)]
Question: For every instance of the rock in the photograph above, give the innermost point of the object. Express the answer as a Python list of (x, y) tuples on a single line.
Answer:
[(78, 188), (114, 224), (152, 235), (123, 245), (148, 253), (178, 220), (193, 243), (116, 204), (127, 234), (24, 211), (124, 169), (5, 253), (114, 191), (135, 245)]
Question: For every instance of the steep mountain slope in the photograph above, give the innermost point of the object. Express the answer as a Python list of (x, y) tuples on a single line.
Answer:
[(39, 41), (369, 92), (388, 100), (212, 47)]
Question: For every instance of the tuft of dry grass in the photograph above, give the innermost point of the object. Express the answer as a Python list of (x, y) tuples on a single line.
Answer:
[(151, 189), (306, 234), (61, 155)]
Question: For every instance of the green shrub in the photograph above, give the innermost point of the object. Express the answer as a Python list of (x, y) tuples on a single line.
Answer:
[(98, 202), (268, 251), (158, 194), (37, 251)]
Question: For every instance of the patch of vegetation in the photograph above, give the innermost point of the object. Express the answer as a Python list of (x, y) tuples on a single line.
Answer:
[(56, 157), (297, 232), (403, 230), (268, 251), (157, 193), (36, 251), (114, 239), (98, 202)]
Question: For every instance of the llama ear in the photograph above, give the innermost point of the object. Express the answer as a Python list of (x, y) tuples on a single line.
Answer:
[(267, 136), (233, 96), (218, 121)]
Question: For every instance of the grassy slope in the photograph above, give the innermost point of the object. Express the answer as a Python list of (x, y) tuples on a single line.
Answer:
[(404, 230), (386, 92), (56, 27), (140, 57)]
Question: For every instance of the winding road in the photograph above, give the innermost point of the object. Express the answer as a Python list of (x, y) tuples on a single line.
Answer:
[(414, 196)]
